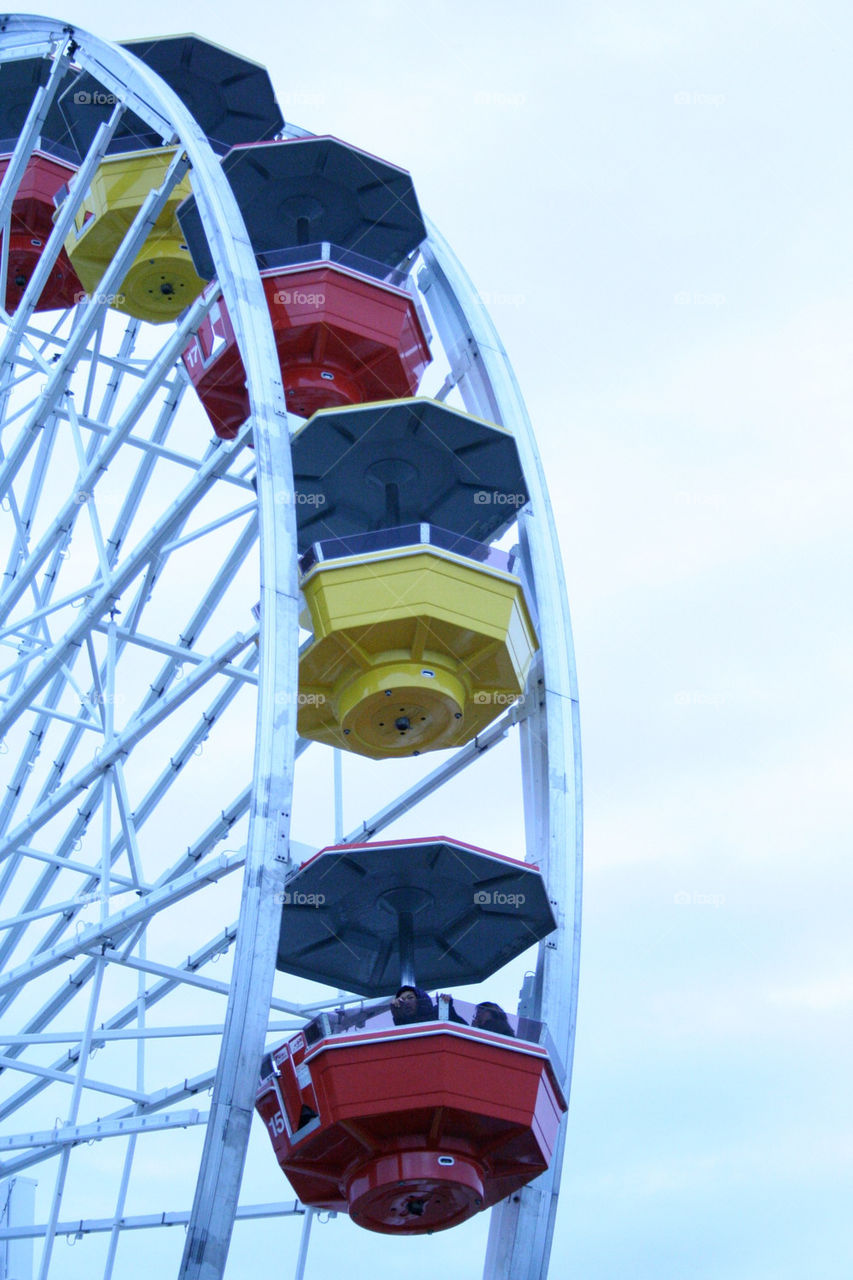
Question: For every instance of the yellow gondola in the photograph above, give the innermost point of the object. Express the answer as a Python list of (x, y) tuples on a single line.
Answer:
[(415, 648), (162, 280)]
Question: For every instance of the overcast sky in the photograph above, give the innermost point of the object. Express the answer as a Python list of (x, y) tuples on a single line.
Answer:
[(654, 200)]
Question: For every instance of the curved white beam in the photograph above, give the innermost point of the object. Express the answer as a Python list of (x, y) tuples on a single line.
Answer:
[(521, 1227)]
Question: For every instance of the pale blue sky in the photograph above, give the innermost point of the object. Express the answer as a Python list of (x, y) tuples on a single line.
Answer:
[(655, 202)]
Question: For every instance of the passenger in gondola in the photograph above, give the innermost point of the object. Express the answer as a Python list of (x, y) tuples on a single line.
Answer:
[(412, 1004), (489, 1016), (452, 1015)]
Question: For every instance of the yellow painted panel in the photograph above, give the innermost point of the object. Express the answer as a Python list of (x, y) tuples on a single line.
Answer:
[(411, 652), (162, 280), (376, 591)]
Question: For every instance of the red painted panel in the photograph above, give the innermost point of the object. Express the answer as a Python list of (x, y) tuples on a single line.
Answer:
[(428, 1071), (417, 1130), (341, 339), (31, 224)]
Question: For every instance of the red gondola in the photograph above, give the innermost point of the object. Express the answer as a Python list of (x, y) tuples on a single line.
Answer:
[(330, 226), (30, 226), (416, 1126), (342, 338), (410, 1129)]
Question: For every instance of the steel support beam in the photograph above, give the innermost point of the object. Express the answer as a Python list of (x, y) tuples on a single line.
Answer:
[(209, 871), (77, 1228), (119, 744), (521, 1228), (69, 1135)]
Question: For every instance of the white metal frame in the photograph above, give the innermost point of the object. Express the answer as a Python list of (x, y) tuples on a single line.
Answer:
[(43, 670), (522, 1226), (104, 426)]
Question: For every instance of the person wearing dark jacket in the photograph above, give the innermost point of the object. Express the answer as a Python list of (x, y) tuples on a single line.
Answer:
[(412, 1004), (489, 1016)]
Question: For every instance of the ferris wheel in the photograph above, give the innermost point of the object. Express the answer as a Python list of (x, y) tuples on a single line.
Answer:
[(176, 264)]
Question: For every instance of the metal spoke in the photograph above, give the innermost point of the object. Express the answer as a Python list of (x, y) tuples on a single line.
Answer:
[(179, 888), (69, 1135), (176, 1218), (105, 595)]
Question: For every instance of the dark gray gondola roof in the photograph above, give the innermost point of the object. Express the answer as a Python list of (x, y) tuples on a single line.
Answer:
[(231, 97), (308, 190), (475, 911), (444, 467), (19, 81)]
